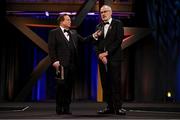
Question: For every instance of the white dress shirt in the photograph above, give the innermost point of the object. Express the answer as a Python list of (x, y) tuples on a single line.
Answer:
[(65, 33), (106, 27)]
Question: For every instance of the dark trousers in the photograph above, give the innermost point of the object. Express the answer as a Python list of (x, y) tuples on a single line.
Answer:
[(64, 89), (111, 83)]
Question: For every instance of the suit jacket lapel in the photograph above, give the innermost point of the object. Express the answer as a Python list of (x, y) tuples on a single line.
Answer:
[(109, 29), (63, 36), (73, 38)]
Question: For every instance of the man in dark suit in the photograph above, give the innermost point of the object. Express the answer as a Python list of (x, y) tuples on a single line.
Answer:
[(63, 43), (108, 47)]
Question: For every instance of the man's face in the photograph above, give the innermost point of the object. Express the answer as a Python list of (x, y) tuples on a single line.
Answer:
[(106, 13), (67, 22)]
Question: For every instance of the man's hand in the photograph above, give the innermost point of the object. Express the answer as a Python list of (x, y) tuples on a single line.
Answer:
[(104, 54), (97, 34), (104, 60), (56, 65), (103, 57)]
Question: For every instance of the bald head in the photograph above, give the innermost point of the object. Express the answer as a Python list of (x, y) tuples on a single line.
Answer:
[(105, 7), (106, 12)]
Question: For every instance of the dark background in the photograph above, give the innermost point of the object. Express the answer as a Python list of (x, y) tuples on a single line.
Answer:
[(151, 66)]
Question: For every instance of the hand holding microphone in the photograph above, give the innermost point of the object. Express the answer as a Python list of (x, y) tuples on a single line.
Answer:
[(97, 34)]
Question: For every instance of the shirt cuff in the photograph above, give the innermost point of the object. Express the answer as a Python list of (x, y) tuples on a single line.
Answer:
[(57, 62)]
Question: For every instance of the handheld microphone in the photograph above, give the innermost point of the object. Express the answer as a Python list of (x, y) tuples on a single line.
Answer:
[(100, 27)]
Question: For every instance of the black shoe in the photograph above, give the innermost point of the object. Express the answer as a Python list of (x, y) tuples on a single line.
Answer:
[(59, 111), (123, 109), (106, 111), (120, 112), (66, 110)]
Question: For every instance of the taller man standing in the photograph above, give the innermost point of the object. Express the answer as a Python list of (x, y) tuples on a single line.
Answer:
[(108, 48)]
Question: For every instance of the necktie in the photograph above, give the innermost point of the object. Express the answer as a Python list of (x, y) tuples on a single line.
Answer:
[(105, 23), (67, 34), (66, 31)]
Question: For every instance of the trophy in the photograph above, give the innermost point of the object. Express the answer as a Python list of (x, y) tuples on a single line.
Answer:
[(60, 74)]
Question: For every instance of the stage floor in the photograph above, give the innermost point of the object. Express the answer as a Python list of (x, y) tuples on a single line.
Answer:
[(87, 110)]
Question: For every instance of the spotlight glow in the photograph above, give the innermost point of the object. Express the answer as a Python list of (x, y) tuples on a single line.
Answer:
[(91, 13), (68, 13), (169, 94), (47, 13)]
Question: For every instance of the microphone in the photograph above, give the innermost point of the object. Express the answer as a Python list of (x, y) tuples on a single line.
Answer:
[(99, 31), (100, 27)]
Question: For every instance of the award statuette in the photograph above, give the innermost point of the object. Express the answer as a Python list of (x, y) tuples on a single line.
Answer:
[(60, 74)]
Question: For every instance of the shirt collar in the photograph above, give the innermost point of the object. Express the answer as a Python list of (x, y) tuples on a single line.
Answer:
[(109, 21), (62, 28)]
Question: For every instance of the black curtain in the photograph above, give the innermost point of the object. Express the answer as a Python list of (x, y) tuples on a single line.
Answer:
[(2, 24), (153, 61)]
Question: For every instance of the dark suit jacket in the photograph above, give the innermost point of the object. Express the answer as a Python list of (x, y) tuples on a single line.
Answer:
[(58, 46), (112, 41)]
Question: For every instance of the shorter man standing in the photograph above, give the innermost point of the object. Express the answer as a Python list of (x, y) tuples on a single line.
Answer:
[(62, 43)]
